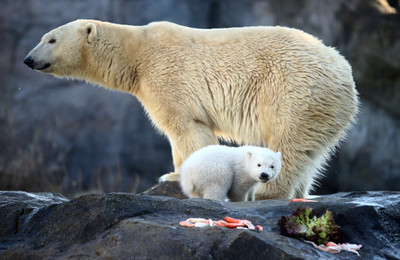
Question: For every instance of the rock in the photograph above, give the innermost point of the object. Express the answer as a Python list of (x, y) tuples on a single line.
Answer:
[(127, 226), (166, 188), (17, 208), (373, 39)]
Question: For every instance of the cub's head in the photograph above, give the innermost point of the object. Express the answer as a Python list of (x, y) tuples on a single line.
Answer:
[(62, 52), (264, 164)]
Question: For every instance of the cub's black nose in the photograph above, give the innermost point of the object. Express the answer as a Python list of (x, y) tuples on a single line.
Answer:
[(264, 177), (29, 61)]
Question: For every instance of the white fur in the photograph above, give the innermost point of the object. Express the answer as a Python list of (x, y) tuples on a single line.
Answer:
[(218, 171)]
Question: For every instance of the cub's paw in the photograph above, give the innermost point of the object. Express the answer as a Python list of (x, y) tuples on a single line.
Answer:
[(169, 177)]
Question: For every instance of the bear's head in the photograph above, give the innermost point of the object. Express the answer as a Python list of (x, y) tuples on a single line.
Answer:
[(62, 52), (263, 164)]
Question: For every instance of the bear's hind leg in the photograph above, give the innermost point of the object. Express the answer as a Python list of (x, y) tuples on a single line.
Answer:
[(214, 192), (300, 168), (312, 170), (297, 171)]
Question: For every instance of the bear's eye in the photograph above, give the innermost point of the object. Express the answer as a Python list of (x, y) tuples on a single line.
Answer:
[(52, 41), (259, 165), (271, 167)]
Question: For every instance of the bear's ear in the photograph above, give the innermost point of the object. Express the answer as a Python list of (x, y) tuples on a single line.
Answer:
[(90, 32), (279, 155), (248, 154)]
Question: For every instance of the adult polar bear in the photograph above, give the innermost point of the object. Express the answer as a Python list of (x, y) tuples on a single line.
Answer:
[(274, 86)]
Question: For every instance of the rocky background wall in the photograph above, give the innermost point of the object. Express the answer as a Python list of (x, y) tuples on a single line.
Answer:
[(69, 137)]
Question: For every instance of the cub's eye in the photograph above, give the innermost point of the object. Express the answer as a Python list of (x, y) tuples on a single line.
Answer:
[(271, 167), (52, 41), (259, 165)]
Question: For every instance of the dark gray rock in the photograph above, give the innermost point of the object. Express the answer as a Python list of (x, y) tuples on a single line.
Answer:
[(166, 188), (127, 226), (17, 208)]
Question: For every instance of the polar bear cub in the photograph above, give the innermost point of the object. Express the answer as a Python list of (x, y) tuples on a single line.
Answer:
[(217, 171)]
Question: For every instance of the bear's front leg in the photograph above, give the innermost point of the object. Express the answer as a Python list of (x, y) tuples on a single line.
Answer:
[(188, 139), (177, 159)]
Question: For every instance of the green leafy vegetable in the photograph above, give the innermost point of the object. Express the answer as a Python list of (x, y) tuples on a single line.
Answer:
[(307, 224)]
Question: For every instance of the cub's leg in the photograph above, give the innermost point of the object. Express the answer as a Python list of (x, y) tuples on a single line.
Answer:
[(215, 192)]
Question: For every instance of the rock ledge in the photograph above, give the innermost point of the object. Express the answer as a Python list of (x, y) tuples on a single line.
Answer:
[(126, 226)]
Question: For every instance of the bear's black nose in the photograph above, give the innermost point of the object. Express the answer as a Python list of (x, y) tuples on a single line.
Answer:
[(264, 177), (29, 61)]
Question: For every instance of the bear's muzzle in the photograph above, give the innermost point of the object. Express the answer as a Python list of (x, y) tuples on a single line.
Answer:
[(29, 61), (35, 65), (264, 177)]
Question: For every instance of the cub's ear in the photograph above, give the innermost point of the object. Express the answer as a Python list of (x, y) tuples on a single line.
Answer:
[(249, 154), (90, 32), (279, 154)]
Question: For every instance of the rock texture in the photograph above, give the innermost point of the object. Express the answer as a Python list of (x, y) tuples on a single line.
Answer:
[(128, 226), (65, 137)]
